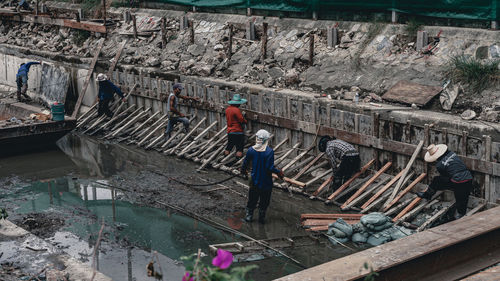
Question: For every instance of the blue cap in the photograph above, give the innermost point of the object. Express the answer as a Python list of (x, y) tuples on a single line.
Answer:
[(178, 86)]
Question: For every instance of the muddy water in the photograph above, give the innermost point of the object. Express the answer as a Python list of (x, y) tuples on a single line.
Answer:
[(73, 184)]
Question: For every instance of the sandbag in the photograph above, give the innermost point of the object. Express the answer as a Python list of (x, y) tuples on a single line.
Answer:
[(360, 237), (378, 239), (377, 228), (374, 218), (343, 226)]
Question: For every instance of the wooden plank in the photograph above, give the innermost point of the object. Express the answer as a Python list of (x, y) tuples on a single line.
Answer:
[(297, 158), (322, 186), (396, 256), (318, 222), (299, 174), (347, 183), (399, 206), (436, 216), (297, 145), (365, 194), (405, 171), (116, 58), (406, 190), (407, 209), (172, 150), (423, 205), (87, 80), (329, 216), (290, 181), (382, 190), (476, 209), (318, 177), (370, 181)]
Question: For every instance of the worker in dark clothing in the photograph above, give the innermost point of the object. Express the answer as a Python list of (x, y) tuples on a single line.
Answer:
[(174, 115), (261, 181), (453, 175), (23, 5), (235, 124), (343, 158), (22, 79), (105, 95)]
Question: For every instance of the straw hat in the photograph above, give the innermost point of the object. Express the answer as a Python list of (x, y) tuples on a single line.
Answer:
[(237, 100), (101, 77), (434, 152)]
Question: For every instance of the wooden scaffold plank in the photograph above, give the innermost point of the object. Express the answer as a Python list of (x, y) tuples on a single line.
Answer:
[(347, 183)]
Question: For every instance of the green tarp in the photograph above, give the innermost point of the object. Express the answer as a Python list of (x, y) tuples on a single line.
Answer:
[(457, 9)]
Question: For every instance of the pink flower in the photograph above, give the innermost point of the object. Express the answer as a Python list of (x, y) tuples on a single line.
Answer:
[(223, 260), (187, 277)]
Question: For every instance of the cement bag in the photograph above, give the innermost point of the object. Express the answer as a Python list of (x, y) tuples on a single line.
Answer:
[(374, 219), (360, 237), (378, 238), (398, 232), (343, 226), (378, 228)]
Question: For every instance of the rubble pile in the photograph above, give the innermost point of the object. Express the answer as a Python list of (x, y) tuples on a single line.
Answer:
[(386, 55)]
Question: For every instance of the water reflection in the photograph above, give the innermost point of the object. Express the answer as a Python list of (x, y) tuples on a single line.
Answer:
[(84, 203)]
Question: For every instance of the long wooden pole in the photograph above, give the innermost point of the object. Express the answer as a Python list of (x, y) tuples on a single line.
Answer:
[(87, 80), (406, 190), (382, 190), (370, 181), (347, 183)]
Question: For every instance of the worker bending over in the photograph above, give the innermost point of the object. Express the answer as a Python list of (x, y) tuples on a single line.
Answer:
[(261, 181), (453, 175), (22, 79), (343, 158), (105, 95), (174, 115), (235, 125)]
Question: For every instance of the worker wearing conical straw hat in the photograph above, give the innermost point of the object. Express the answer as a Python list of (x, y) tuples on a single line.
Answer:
[(453, 175)]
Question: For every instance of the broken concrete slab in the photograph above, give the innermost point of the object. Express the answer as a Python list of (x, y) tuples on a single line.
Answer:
[(411, 93)]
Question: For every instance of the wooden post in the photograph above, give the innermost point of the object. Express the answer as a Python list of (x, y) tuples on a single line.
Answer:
[(311, 49), (191, 32), (104, 11), (163, 32), (36, 8), (230, 42), (489, 193), (426, 144), (87, 80), (465, 134), (264, 42), (134, 23), (376, 134)]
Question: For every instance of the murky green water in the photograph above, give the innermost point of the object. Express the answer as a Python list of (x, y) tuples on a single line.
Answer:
[(68, 185)]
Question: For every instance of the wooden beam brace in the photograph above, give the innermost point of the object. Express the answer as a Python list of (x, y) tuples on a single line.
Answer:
[(382, 190), (365, 194), (309, 165), (406, 190), (87, 80), (370, 181), (405, 171), (347, 183)]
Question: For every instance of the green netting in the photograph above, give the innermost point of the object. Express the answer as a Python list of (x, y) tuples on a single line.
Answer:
[(457, 9)]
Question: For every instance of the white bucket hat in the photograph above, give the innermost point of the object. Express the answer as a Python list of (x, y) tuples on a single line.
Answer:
[(101, 77), (434, 151)]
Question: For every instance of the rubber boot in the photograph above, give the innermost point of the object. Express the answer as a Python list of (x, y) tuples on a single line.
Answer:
[(262, 216), (249, 215)]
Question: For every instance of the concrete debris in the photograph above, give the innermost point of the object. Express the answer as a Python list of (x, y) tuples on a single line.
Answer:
[(449, 95), (468, 114)]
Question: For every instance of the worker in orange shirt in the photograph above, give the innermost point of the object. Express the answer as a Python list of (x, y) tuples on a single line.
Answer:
[(235, 124)]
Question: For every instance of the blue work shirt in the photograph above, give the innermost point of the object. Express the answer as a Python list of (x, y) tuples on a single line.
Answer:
[(262, 167), (23, 70), (107, 89)]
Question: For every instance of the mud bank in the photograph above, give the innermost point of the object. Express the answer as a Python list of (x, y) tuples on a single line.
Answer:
[(66, 198)]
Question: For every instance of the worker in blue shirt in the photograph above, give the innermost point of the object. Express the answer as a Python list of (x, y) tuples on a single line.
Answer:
[(22, 79), (105, 95), (261, 181)]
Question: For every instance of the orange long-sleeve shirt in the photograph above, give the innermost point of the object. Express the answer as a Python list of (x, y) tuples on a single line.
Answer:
[(235, 120)]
